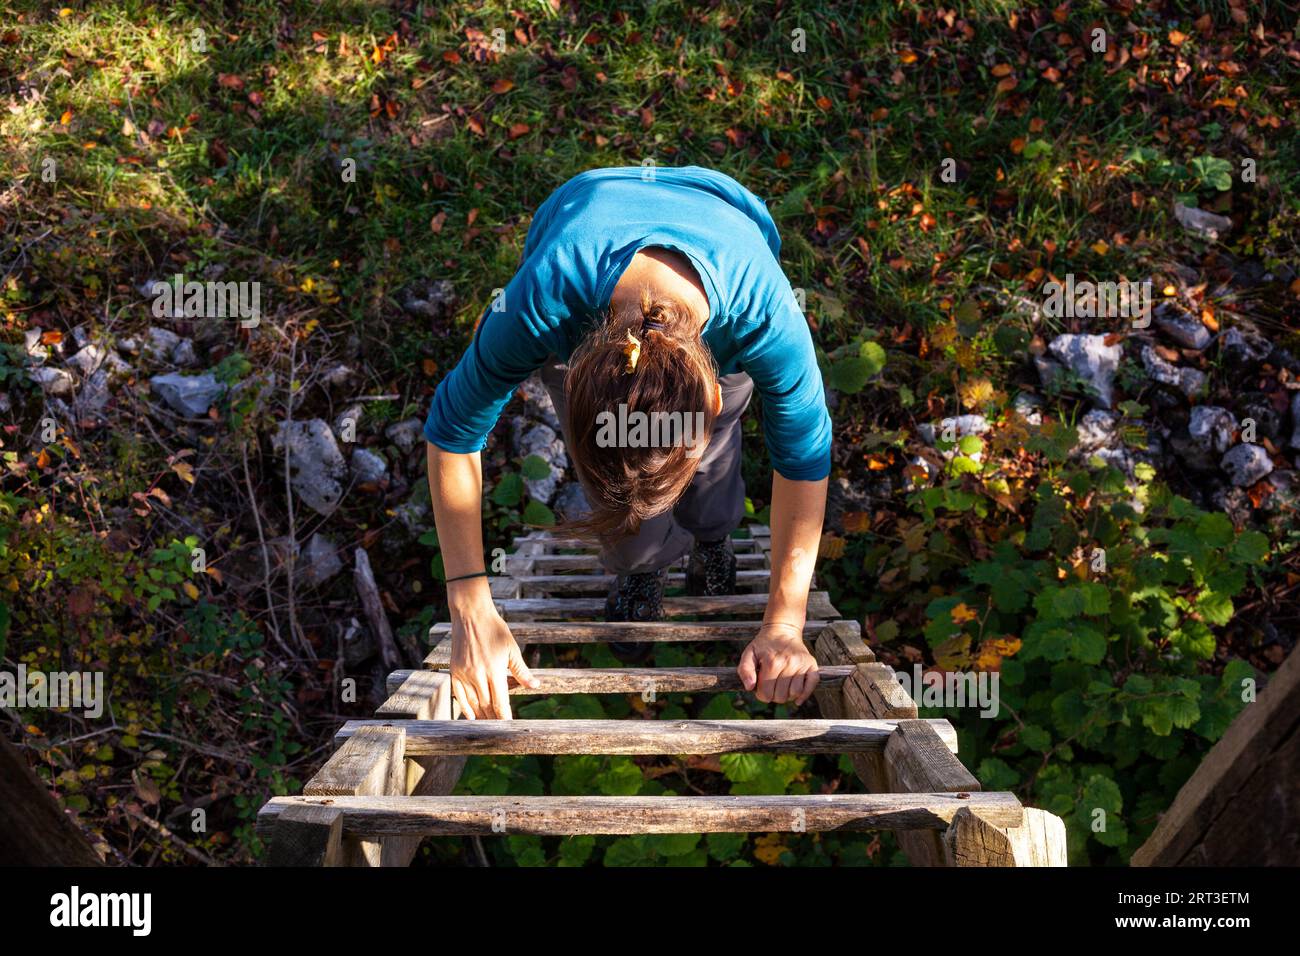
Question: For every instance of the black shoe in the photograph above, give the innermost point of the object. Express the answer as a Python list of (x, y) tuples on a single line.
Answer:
[(635, 597), (711, 569)]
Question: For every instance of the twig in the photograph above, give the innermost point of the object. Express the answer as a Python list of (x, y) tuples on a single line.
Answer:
[(161, 830)]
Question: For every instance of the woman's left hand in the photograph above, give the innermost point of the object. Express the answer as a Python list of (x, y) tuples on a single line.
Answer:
[(777, 666)]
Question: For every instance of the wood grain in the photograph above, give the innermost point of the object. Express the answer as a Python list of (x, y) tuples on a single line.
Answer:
[(372, 817), (423, 738)]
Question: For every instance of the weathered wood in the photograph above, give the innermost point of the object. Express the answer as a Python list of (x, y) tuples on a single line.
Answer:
[(307, 834), (873, 691), (637, 680), (917, 760), (840, 642), (1039, 840), (819, 606), (372, 817), (423, 695), (971, 840), (364, 579), (552, 545), (555, 563), (369, 763), (541, 584), (1243, 801), (645, 736), (34, 830), (601, 632)]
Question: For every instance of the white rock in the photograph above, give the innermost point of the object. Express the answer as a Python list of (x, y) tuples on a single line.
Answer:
[(367, 466), (96, 356), (316, 466), (1211, 427), (184, 355), (1207, 225), (1097, 430), (405, 434), (1246, 464), (54, 381), (190, 395), (319, 560), (1092, 360), (1189, 381)]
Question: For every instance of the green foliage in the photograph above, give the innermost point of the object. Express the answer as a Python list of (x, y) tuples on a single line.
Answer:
[(1113, 594)]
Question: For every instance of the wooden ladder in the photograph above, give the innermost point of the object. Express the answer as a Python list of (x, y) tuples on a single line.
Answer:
[(388, 784)]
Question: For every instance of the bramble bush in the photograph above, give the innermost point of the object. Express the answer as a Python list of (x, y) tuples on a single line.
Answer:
[(1096, 608)]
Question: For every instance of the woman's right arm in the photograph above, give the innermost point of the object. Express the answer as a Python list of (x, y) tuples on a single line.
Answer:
[(483, 651)]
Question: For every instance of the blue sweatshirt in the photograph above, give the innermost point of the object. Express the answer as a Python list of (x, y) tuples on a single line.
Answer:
[(580, 242)]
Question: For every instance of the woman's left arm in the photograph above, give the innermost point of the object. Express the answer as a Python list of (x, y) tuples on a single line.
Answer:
[(777, 665)]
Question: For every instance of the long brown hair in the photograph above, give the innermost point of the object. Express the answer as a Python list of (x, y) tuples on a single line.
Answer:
[(649, 358)]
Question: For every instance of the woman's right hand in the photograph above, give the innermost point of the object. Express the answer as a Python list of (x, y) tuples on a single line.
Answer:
[(484, 654)]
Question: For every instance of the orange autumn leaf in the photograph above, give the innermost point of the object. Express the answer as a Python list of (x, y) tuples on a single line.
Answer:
[(1001, 70), (503, 86), (832, 547), (66, 118), (519, 129), (961, 614), (907, 56), (1007, 84), (855, 522), (990, 654), (1018, 145), (436, 223), (1177, 38)]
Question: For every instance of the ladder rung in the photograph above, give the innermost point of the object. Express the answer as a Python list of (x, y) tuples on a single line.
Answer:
[(754, 545), (435, 737), (547, 563), (658, 632), (819, 606), (370, 817), (636, 680), (586, 583)]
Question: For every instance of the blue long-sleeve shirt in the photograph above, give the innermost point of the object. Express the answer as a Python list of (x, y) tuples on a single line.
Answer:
[(582, 239)]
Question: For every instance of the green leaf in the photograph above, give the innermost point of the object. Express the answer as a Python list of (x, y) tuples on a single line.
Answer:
[(509, 490), (1250, 548), (536, 513), (1212, 171), (725, 846), (849, 375), (536, 468), (575, 851), (1035, 148)]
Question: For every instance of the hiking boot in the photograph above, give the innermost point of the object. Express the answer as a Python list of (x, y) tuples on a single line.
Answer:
[(711, 568), (635, 597)]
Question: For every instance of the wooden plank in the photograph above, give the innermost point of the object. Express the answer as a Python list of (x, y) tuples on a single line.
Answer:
[(369, 763), (873, 691), (917, 760), (558, 816), (638, 680), (552, 545), (533, 585), (819, 606), (34, 830), (307, 834), (425, 695), (600, 632), (1236, 773), (971, 840), (1039, 840), (840, 642), (921, 759), (555, 563), (424, 738)]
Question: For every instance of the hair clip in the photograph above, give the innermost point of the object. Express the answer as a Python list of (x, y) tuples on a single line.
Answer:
[(650, 325), (632, 350)]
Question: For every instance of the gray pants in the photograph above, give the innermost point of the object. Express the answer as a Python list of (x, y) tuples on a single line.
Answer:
[(714, 502)]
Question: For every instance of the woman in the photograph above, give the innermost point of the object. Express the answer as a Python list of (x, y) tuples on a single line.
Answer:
[(661, 290)]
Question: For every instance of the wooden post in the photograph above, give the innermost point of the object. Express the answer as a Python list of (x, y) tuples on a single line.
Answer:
[(34, 830), (370, 763), (307, 835)]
